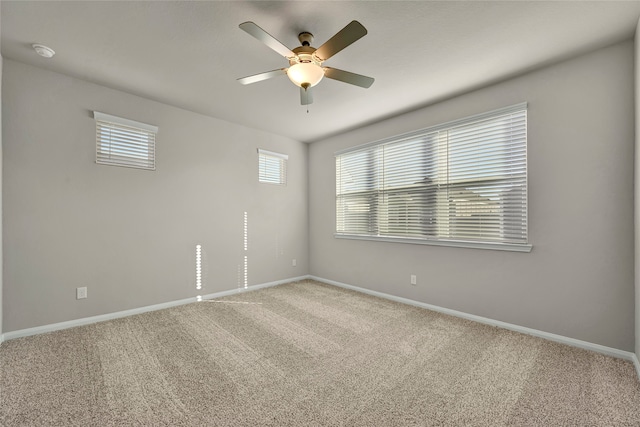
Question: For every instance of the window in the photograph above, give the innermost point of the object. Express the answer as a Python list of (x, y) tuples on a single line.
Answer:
[(463, 183), (272, 167), (123, 142)]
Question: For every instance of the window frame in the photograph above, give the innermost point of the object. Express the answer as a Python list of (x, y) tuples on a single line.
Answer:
[(423, 133)]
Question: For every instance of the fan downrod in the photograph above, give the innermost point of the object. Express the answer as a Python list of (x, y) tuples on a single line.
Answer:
[(306, 38)]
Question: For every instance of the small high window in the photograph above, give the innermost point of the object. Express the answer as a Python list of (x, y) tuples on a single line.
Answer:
[(124, 142), (272, 167)]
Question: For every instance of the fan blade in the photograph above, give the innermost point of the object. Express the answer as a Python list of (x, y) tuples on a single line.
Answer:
[(262, 76), (266, 38), (343, 38), (348, 77), (306, 97)]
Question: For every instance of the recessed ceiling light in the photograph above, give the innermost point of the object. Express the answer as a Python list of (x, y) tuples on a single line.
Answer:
[(43, 50)]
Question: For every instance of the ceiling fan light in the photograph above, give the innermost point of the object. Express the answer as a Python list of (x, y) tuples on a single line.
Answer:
[(305, 73)]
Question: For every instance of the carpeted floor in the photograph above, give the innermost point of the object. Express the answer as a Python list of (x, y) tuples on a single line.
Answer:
[(307, 354)]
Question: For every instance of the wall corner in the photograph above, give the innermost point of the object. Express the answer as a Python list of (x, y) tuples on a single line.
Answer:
[(636, 182)]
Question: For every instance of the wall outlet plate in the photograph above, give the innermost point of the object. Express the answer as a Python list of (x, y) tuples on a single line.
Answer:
[(414, 279), (81, 293)]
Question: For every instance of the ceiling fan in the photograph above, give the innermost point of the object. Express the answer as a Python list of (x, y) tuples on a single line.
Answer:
[(305, 62)]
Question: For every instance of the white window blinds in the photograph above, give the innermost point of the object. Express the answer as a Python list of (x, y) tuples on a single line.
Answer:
[(123, 142), (465, 181), (272, 167)]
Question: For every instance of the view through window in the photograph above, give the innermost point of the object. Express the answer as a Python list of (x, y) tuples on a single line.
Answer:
[(464, 181)]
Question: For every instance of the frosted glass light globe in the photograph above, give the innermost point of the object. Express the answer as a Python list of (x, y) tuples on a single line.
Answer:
[(305, 73)]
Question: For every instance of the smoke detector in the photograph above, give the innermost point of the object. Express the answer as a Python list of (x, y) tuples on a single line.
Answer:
[(43, 50)]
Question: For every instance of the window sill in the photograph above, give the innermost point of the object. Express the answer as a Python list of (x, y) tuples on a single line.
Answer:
[(451, 243)]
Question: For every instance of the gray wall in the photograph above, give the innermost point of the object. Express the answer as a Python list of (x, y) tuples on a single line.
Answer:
[(127, 234), (578, 281)]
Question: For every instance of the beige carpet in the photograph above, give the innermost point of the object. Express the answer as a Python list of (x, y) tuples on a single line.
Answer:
[(307, 354)]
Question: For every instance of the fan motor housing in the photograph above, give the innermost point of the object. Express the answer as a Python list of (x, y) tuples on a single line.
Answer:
[(304, 54)]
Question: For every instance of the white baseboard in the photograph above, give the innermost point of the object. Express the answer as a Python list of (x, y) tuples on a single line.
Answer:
[(609, 351), (101, 318), (636, 363)]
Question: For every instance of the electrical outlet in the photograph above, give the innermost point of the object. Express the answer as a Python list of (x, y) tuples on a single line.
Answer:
[(294, 262), (414, 280), (81, 293)]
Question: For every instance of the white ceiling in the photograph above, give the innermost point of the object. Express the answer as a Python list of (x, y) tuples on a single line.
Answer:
[(189, 54)]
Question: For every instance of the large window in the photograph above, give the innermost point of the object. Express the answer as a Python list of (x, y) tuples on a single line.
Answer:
[(463, 183), (124, 142)]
